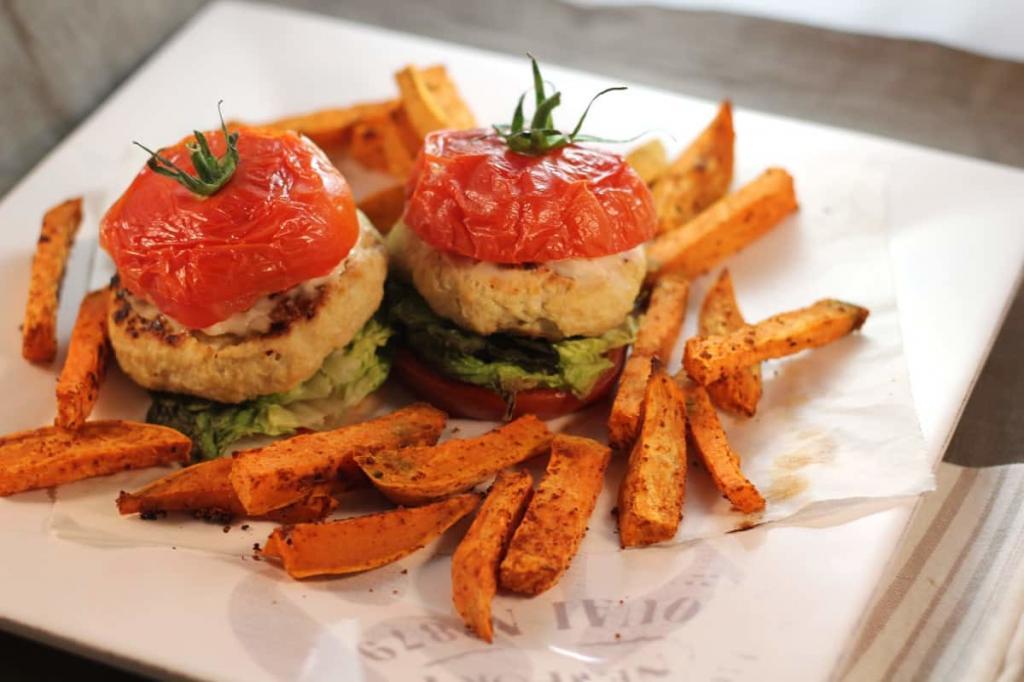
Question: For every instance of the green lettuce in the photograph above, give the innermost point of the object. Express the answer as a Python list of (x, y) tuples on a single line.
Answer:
[(347, 376), (505, 363)]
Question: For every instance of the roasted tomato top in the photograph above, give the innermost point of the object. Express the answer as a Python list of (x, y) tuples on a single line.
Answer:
[(285, 216), (471, 195)]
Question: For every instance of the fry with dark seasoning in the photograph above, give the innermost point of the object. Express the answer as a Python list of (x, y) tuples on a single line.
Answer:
[(718, 456), (740, 391), (652, 491), (727, 226), (363, 542), (39, 328), (285, 472), (699, 177), (204, 489), (663, 318), (86, 364), (415, 475), (624, 418), (709, 358), (51, 456), (476, 559), (556, 519)]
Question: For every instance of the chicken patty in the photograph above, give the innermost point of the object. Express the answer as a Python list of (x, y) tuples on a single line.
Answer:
[(161, 355), (579, 297)]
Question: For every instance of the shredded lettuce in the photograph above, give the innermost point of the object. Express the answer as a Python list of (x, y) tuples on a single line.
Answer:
[(347, 376), (502, 362)]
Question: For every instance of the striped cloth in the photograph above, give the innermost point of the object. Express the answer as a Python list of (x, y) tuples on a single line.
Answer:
[(952, 604)]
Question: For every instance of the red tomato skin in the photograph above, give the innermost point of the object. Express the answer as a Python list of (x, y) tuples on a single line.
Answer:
[(471, 195), (468, 401), (285, 216)]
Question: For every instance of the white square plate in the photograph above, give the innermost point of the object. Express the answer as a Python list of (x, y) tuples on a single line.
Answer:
[(739, 606)]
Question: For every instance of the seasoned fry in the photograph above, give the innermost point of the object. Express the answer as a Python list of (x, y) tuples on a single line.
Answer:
[(624, 418), (726, 227), (663, 319), (420, 474), (86, 363), (39, 328), (475, 563), (378, 143), (205, 490), (652, 491), (721, 462), (432, 101), (699, 177), (332, 127), (50, 456), (385, 207), (740, 391), (284, 472), (649, 160), (709, 358), (363, 542), (556, 519)]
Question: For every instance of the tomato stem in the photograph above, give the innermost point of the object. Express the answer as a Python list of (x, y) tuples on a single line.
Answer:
[(212, 172)]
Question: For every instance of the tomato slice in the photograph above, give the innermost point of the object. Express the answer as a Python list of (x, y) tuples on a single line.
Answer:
[(471, 195), (285, 216), (460, 399)]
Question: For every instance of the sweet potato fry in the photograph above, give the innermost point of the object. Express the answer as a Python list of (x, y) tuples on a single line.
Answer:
[(363, 542), (624, 418), (416, 475), (378, 143), (475, 563), (51, 456), (652, 491), (385, 207), (649, 160), (699, 177), (86, 363), (284, 472), (709, 358), (432, 101), (663, 319), (39, 328), (740, 391), (730, 224), (721, 462), (332, 127), (556, 519), (205, 490)]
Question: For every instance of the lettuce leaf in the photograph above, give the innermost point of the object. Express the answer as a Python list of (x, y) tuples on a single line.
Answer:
[(347, 376), (502, 362)]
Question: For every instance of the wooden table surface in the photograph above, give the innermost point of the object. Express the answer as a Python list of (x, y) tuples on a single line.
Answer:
[(59, 59)]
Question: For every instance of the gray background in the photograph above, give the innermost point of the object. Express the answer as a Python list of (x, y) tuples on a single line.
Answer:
[(60, 58)]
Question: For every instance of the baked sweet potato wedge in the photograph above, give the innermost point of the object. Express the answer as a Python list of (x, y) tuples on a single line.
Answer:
[(663, 318), (363, 542), (699, 177), (740, 391), (51, 456), (432, 101), (285, 472), (384, 207), (86, 364), (205, 490), (652, 491), (556, 519), (332, 127), (475, 563), (415, 475), (709, 358), (721, 462), (649, 160), (727, 226), (39, 328), (624, 418)]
